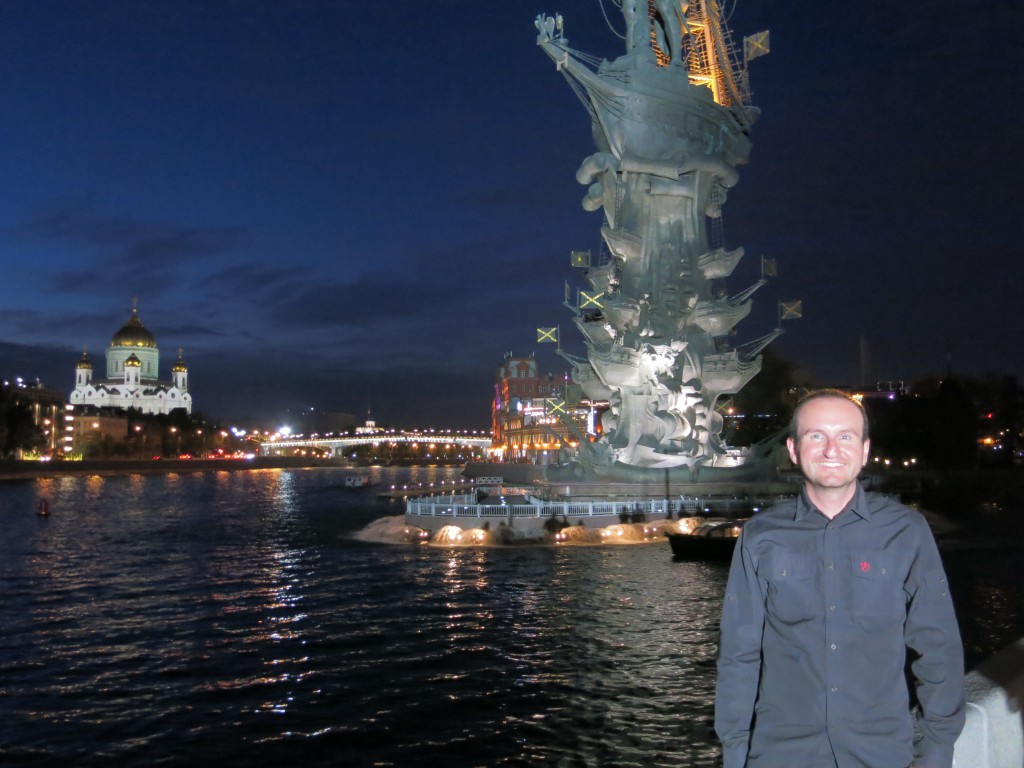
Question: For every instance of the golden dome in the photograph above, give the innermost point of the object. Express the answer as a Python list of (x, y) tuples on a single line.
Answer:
[(179, 364), (132, 361), (133, 334), (84, 363)]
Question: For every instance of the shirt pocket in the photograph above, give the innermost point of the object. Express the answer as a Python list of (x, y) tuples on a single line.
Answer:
[(792, 595), (876, 583)]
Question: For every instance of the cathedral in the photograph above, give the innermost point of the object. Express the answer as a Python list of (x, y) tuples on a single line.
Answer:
[(132, 380)]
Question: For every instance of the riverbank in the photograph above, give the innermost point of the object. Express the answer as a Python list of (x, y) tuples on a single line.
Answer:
[(30, 470)]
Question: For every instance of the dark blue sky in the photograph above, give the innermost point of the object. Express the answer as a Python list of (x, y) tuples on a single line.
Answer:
[(330, 204)]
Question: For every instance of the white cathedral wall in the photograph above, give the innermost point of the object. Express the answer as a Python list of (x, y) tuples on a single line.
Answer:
[(116, 397), (148, 356)]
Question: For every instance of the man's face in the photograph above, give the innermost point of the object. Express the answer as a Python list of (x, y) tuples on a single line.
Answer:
[(830, 448)]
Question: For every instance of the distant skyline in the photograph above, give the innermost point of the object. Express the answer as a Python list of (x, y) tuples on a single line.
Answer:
[(343, 206)]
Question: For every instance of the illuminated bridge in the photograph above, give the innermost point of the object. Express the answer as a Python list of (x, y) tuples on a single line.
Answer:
[(339, 445)]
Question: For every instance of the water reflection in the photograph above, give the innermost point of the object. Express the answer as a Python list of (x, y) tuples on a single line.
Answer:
[(284, 491), (94, 487), (256, 617), (136, 484)]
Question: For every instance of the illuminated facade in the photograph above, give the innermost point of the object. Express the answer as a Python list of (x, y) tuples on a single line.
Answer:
[(133, 363), (85, 430), (46, 408), (530, 414)]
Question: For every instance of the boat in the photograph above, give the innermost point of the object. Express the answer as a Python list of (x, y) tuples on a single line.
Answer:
[(357, 481), (712, 540)]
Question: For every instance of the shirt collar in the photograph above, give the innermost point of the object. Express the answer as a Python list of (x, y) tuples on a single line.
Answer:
[(858, 505)]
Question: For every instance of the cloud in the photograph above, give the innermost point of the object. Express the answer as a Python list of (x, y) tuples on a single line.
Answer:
[(126, 250), (42, 324), (438, 283), (243, 278), (191, 330)]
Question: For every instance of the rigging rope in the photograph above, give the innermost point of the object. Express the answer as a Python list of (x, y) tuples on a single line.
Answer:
[(608, 21), (728, 16), (577, 54)]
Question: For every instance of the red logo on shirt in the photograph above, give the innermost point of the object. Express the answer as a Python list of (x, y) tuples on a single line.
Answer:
[(865, 566)]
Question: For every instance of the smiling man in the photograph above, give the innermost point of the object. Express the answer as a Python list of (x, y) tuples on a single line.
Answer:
[(828, 594)]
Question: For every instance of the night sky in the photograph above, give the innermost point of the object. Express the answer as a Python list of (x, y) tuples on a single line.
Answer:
[(341, 205)]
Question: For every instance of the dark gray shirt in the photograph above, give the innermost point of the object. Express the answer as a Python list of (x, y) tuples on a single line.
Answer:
[(817, 620)]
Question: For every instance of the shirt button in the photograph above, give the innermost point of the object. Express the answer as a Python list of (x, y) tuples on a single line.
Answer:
[(883, 571), (831, 565), (831, 607), (830, 526), (834, 688), (833, 646)]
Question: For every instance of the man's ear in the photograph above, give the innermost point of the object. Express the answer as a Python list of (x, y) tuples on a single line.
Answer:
[(791, 447)]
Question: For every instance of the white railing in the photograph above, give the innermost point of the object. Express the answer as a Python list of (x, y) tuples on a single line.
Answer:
[(994, 734), (462, 506), (455, 508)]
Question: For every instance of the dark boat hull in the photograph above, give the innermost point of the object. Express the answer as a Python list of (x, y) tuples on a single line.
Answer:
[(686, 546)]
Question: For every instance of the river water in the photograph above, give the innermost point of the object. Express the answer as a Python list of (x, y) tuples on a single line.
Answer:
[(273, 617)]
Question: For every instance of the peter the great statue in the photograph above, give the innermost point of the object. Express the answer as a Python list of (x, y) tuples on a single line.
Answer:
[(671, 121)]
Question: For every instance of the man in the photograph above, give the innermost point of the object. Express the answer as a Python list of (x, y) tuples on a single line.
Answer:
[(826, 593)]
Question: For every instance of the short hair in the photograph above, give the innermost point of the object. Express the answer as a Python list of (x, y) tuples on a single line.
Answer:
[(818, 394)]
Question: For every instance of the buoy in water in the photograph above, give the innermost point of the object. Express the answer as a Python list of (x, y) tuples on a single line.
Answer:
[(44, 508)]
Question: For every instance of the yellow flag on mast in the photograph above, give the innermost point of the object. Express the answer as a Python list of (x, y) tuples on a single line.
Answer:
[(555, 406), (579, 258), (790, 310), (756, 45)]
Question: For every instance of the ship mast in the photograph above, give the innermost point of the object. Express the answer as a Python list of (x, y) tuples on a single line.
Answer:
[(712, 59)]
